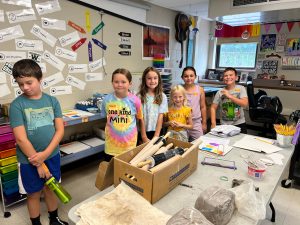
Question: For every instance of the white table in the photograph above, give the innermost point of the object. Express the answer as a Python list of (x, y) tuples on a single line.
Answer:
[(206, 176)]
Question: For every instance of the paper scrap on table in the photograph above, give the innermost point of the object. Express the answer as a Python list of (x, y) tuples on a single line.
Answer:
[(219, 146), (61, 90), (11, 33), (97, 64), (22, 15), (47, 7), (65, 53), (43, 35), (4, 90), (17, 92), (77, 68), (2, 78), (69, 38), (75, 82), (53, 60), (55, 24), (11, 56), (276, 158), (29, 45), (93, 76), (51, 80)]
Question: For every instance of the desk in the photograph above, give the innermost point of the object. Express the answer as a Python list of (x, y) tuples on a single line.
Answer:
[(206, 176)]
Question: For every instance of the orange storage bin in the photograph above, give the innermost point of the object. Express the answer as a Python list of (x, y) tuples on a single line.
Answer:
[(7, 153)]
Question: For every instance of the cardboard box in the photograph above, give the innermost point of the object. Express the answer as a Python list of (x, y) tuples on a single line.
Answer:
[(153, 186)]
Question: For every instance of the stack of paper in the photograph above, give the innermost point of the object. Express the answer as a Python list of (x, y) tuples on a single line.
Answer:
[(225, 130), (74, 147), (219, 146)]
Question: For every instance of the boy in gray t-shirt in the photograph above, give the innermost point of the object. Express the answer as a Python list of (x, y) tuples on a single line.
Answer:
[(231, 100)]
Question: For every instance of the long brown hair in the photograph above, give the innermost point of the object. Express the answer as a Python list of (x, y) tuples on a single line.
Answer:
[(144, 89)]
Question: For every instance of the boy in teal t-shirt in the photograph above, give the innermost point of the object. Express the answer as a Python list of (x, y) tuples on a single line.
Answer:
[(36, 119)]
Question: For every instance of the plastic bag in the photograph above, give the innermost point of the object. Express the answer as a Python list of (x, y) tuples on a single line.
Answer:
[(249, 202), (188, 216)]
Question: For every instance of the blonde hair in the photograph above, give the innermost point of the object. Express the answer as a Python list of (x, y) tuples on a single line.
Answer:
[(183, 92)]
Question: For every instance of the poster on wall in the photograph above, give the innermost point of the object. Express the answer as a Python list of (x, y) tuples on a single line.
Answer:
[(270, 67), (268, 42), (293, 46), (155, 41)]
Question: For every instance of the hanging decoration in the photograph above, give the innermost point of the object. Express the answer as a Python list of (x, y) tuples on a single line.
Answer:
[(290, 25), (278, 27), (267, 27), (245, 31)]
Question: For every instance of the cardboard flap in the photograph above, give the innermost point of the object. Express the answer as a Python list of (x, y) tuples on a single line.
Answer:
[(105, 175)]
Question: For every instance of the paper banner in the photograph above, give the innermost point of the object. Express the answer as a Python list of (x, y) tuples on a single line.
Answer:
[(90, 51), (26, 3), (37, 57), (267, 27), (290, 25), (47, 7), (1, 15), (125, 53), (10, 56), (7, 68), (124, 40), (20, 15), (30, 45), (278, 26), (93, 76), (75, 82), (60, 90), (53, 60), (65, 53), (13, 82), (2, 78), (51, 80), (124, 34), (4, 90), (17, 92), (77, 68), (97, 64), (11, 33), (87, 20), (76, 27), (54, 24), (69, 38), (43, 35), (98, 43), (43, 67), (98, 28), (78, 44)]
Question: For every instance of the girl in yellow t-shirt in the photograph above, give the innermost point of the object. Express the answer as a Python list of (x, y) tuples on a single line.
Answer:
[(179, 117)]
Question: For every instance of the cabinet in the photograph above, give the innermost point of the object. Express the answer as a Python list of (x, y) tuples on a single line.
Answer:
[(166, 77), (8, 161)]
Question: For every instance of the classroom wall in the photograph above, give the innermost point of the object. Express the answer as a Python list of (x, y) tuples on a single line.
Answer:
[(108, 35)]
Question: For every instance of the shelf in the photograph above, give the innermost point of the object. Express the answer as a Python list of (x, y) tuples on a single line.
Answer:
[(70, 121), (80, 155)]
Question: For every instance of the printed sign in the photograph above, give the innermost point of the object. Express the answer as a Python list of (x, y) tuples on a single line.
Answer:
[(43, 35), (47, 7), (77, 68), (7, 56), (65, 53), (30, 45), (11, 33), (270, 67), (53, 60), (75, 82), (69, 38), (93, 76), (61, 90), (17, 92), (2, 78), (7, 68), (97, 64), (26, 3), (54, 24), (51, 80), (20, 15)]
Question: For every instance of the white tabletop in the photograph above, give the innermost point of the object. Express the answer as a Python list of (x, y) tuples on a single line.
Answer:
[(206, 176)]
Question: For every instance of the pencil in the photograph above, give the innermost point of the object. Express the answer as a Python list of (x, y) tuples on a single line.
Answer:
[(264, 141)]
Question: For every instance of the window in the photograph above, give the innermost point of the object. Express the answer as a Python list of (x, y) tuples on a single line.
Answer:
[(237, 55)]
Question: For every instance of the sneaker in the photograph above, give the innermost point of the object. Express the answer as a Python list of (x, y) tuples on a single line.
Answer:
[(58, 221)]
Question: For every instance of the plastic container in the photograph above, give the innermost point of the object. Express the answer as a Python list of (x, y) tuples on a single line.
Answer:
[(284, 141), (256, 173), (5, 129), (9, 176), (7, 161), (6, 137), (7, 145), (9, 168), (7, 153)]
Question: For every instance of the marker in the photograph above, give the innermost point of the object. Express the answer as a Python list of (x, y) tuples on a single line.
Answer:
[(78, 44), (76, 27)]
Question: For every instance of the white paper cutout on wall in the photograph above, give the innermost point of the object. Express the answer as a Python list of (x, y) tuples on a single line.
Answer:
[(7, 68), (77, 68), (93, 76), (54, 24), (2, 78), (4, 90), (43, 35), (47, 7), (75, 82), (20, 15), (51, 80), (8, 56), (65, 53), (18, 92), (69, 38), (1, 15), (11, 33), (61, 90), (30, 45), (35, 56), (13, 82), (53, 60), (43, 67), (26, 3), (97, 64)]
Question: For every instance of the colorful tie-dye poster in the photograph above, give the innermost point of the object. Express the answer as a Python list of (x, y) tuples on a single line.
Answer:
[(293, 46), (268, 42)]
